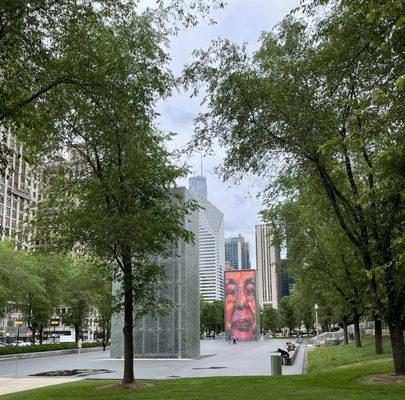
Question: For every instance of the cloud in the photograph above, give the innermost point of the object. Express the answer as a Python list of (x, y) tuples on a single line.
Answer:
[(240, 21)]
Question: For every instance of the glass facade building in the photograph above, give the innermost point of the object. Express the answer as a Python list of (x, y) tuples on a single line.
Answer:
[(237, 253)]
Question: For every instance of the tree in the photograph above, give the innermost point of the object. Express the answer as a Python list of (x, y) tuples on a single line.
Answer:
[(42, 291), (287, 314), (115, 197), (304, 300), (31, 282), (80, 286), (321, 257), (212, 316), (11, 273), (36, 40), (269, 320), (318, 101)]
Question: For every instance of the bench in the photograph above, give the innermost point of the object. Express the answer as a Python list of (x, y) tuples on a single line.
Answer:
[(291, 358)]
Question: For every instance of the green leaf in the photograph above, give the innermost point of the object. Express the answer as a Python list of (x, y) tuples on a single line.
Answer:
[(400, 23), (401, 84), (371, 17)]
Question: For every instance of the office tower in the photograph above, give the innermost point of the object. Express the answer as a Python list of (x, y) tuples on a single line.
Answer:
[(20, 189), (199, 184), (287, 280), (269, 272), (237, 252), (211, 243), (178, 333)]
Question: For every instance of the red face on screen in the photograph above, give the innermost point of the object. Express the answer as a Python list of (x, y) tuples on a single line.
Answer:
[(240, 294)]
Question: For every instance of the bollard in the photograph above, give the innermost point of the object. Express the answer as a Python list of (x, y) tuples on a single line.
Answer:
[(275, 364)]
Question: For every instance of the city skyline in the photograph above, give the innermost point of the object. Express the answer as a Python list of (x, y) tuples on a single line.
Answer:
[(240, 21)]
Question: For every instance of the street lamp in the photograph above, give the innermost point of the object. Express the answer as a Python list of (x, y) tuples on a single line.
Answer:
[(54, 323), (18, 322), (316, 320)]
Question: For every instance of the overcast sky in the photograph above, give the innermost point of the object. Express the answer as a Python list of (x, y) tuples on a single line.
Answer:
[(240, 21)]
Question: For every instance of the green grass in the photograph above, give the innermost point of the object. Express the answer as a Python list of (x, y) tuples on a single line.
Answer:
[(330, 357), (339, 380)]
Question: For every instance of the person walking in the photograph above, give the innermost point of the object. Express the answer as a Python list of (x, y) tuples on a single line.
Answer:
[(234, 340), (104, 344), (79, 345)]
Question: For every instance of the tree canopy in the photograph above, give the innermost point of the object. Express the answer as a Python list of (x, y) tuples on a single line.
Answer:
[(322, 102)]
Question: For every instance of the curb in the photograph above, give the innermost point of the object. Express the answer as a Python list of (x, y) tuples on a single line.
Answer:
[(39, 354), (305, 363)]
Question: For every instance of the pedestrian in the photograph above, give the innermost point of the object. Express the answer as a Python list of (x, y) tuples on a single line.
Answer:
[(104, 344), (233, 340), (79, 345)]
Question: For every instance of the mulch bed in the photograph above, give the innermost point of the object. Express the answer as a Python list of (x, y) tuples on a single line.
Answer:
[(132, 386), (384, 379)]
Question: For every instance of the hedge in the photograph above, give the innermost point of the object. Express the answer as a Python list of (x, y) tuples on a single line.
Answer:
[(44, 347)]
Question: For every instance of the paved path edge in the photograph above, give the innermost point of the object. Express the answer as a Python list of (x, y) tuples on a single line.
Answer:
[(39, 354), (305, 363)]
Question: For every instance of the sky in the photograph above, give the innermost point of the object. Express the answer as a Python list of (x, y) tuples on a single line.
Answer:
[(241, 21)]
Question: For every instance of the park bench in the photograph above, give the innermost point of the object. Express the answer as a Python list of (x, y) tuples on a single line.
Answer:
[(292, 355)]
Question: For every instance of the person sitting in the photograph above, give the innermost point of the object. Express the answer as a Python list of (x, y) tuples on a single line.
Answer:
[(290, 346), (284, 353)]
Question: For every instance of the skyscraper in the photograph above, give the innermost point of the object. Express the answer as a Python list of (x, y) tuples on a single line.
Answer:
[(211, 243), (199, 184), (20, 189), (237, 252), (287, 280), (269, 272)]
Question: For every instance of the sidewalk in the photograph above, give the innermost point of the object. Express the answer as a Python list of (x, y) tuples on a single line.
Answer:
[(12, 385)]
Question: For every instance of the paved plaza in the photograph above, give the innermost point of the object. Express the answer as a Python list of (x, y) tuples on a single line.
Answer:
[(217, 358)]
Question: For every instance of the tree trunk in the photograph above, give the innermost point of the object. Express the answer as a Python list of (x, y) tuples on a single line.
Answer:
[(108, 333), (397, 344), (345, 335), (357, 338), (77, 333), (128, 323), (378, 335), (41, 335), (34, 331)]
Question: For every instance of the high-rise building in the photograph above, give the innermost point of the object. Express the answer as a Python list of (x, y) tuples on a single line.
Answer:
[(20, 189), (199, 184), (237, 252), (177, 334), (211, 243), (287, 280), (269, 272)]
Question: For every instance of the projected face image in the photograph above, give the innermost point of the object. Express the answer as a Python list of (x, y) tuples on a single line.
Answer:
[(240, 303)]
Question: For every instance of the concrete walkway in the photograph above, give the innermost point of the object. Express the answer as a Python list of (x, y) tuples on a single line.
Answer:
[(217, 358), (12, 385)]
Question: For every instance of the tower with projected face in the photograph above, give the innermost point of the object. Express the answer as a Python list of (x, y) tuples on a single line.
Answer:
[(241, 311)]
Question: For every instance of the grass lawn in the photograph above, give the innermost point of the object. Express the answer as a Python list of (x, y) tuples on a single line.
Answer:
[(337, 380), (334, 356)]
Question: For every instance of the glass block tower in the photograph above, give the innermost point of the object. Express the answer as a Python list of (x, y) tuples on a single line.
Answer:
[(176, 335)]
